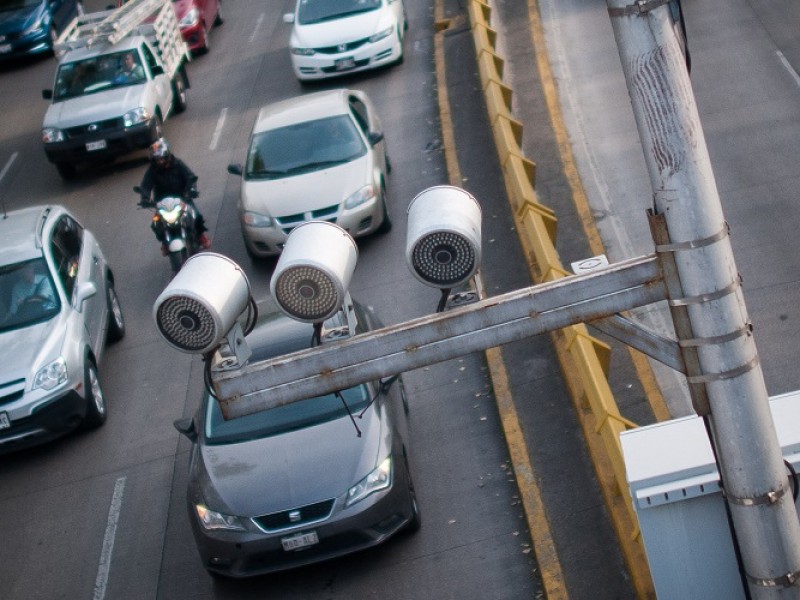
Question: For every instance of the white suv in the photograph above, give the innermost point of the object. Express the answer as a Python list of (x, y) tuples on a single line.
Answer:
[(58, 308)]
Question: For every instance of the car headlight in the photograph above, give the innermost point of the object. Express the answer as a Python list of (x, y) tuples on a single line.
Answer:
[(52, 134), (376, 37), (363, 195), (303, 51), (254, 219), (136, 116), (35, 27), (379, 479), (51, 375), (211, 519), (191, 18)]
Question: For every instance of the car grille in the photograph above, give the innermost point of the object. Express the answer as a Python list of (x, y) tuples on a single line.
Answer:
[(289, 222), (9, 398), (98, 127), (348, 47), (311, 513)]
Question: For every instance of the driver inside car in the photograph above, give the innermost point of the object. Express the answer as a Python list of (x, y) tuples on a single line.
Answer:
[(31, 288)]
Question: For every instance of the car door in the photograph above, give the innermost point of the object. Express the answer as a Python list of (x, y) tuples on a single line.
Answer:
[(161, 81), (77, 269)]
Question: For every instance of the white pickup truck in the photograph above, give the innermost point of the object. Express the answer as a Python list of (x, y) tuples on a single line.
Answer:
[(121, 73)]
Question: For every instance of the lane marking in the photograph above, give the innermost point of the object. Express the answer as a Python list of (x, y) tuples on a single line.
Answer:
[(218, 130), (788, 67), (104, 568), (257, 27), (8, 165)]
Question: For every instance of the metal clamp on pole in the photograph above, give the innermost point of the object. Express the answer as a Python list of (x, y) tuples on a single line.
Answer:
[(640, 7), (784, 581), (730, 374), (771, 497)]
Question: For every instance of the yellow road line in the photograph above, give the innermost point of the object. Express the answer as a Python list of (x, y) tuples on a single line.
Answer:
[(541, 536)]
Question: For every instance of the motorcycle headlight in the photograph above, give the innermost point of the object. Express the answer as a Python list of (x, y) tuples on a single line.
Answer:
[(135, 116), (51, 375), (254, 219), (171, 215), (52, 134), (376, 37), (363, 195), (379, 479), (191, 18), (213, 520)]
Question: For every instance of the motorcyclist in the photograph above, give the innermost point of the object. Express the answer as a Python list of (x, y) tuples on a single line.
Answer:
[(168, 175)]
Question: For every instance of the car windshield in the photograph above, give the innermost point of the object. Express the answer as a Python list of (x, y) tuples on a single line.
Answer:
[(17, 4), (303, 147), (317, 11), (98, 74), (291, 417), (27, 295)]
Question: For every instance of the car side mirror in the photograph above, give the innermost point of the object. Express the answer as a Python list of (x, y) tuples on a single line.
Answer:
[(157, 70), (235, 169), (388, 382), (288, 18), (374, 137), (47, 94), (86, 290), (186, 427)]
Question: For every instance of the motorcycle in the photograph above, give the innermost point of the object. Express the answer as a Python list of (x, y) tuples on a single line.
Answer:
[(174, 224)]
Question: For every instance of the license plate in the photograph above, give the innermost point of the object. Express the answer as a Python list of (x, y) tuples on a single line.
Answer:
[(343, 64), (296, 542), (5, 422), (98, 145), (5, 48)]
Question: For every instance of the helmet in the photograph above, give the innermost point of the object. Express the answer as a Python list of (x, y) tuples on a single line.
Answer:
[(159, 149)]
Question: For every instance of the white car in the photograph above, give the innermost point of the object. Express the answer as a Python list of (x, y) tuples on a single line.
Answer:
[(316, 157), (333, 37)]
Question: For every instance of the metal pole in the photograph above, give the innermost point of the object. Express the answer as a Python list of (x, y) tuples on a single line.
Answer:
[(685, 194)]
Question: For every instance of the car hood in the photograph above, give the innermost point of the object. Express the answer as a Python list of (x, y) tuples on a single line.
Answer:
[(339, 31), (293, 469), (292, 195), (108, 104), (12, 21), (21, 350)]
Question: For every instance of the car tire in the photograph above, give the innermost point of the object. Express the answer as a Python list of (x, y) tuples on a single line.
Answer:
[(219, 20), (67, 171), (116, 323), (96, 410), (206, 47), (416, 516), (386, 224), (179, 93)]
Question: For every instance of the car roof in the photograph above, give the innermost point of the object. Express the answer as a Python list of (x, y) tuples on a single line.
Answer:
[(21, 233), (276, 334), (307, 107)]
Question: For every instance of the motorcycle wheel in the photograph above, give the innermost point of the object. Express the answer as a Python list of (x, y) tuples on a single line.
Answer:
[(176, 259)]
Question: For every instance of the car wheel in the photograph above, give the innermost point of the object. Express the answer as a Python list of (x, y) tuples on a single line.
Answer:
[(206, 47), (67, 171), (178, 94), (219, 20), (416, 517), (96, 412), (386, 224), (116, 324), (158, 127)]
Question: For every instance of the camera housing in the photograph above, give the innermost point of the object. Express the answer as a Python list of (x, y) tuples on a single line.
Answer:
[(314, 271), (443, 244), (201, 304)]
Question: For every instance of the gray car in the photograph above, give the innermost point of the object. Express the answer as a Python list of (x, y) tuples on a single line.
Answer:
[(303, 482), (58, 308)]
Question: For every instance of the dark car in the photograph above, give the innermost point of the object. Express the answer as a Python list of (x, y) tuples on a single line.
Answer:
[(303, 482), (30, 27)]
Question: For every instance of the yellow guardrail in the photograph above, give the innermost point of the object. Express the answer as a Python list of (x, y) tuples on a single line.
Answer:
[(579, 353)]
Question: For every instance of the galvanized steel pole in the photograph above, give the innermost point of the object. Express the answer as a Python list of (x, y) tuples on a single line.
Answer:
[(685, 194)]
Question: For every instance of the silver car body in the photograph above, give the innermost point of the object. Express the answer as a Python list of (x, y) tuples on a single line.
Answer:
[(279, 499), (270, 208), (354, 36), (67, 341)]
